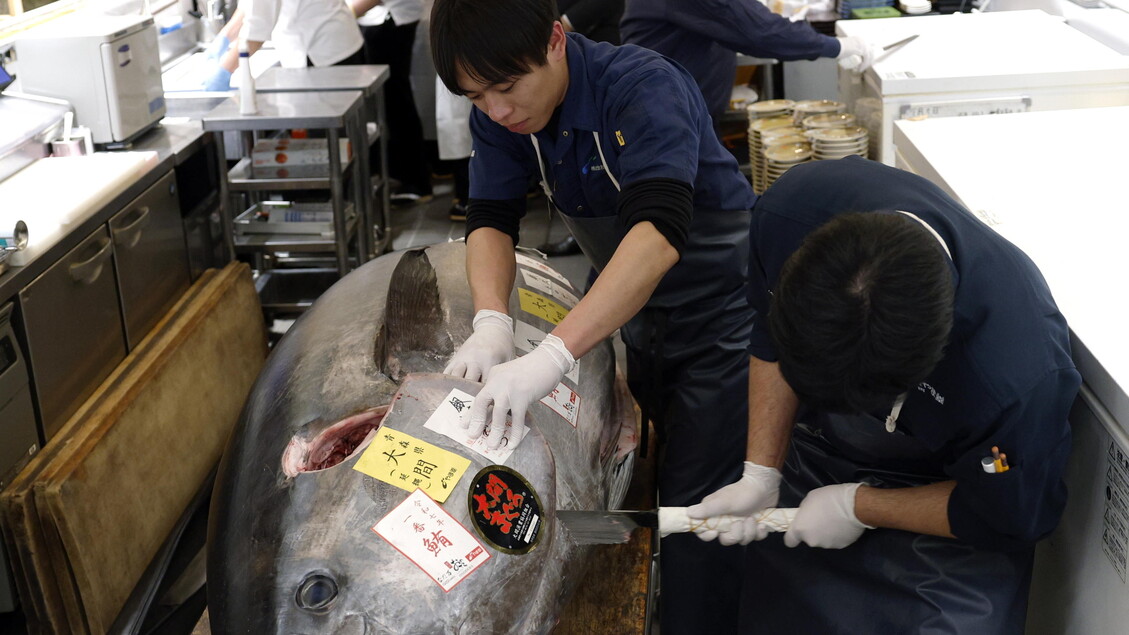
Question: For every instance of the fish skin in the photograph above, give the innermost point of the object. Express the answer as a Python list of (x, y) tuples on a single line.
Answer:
[(352, 351)]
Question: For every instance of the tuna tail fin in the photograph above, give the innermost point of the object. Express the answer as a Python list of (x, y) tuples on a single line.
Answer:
[(414, 337)]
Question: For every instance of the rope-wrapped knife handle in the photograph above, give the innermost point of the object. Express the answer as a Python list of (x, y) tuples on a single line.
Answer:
[(674, 520)]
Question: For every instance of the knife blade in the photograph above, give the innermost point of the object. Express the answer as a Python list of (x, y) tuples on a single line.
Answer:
[(899, 43), (610, 527)]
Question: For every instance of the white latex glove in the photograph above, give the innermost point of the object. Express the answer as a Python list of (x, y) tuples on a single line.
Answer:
[(758, 488), (826, 518), (492, 343), (856, 54), (516, 384)]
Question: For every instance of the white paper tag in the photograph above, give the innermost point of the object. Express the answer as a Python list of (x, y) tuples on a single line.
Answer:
[(527, 337), (548, 287), (565, 402), (432, 539), (522, 259), (455, 411)]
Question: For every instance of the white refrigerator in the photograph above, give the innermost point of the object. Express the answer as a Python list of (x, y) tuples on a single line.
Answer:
[(1053, 184), (976, 64)]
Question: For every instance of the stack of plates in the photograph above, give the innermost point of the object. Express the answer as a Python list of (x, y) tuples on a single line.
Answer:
[(915, 7), (829, 120), (868, 111), (808, 107), (779, 158), (757, 128), (769, 108), (836, 143)]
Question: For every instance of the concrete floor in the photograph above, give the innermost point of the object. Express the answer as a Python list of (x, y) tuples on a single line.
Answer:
[(428, 223)]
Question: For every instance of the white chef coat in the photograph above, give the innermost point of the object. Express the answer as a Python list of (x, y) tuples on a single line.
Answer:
[(323, 30), (402, 12)]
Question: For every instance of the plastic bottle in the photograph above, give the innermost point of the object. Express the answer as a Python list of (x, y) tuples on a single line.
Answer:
[(247, 105)]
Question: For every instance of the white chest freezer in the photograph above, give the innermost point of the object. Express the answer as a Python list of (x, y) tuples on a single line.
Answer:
[(975, 64), (1053, 184)]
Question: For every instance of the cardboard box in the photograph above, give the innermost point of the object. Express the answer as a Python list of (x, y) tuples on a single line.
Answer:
[(290, 158)]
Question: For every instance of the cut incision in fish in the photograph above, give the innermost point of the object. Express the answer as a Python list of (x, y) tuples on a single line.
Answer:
[(333, 445)]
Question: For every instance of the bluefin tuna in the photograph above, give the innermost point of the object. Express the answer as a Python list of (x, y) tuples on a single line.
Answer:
[(301, 541)]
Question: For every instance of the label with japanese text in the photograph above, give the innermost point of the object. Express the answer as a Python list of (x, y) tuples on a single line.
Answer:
[(549, 287), (522, 259), (432, 539), (542, 307), (565, 402), (408, 463), (527, 337), (451, 419), (505, 510)]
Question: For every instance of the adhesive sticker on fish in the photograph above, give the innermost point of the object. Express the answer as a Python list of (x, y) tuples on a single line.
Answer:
[(548, 287), (409, 463), (527, 337), (506, 511), (522, 259), (542, 307), (565, 402), (432, 539), (452, 416)]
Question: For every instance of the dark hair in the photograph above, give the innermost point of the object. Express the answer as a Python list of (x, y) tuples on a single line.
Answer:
[(862, 311), (493, 41)]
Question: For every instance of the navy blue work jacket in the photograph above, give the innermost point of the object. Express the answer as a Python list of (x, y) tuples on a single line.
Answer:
[(705, 36), (1007, 378), (652, 124)]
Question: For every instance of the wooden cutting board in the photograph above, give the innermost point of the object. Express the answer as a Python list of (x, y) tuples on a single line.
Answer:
[(87, 515)]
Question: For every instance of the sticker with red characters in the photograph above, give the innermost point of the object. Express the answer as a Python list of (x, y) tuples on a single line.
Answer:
[(505, 510)]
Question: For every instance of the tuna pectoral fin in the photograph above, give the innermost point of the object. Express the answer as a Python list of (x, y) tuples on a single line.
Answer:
[(414, 335)]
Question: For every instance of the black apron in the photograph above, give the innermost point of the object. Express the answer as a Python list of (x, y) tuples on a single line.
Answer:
[(688, 369)]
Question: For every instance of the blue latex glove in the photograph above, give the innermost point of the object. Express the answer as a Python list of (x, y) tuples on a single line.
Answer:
[(218, 81), (217, 48)]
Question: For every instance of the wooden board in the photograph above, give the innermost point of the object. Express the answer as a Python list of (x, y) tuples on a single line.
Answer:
[(100, 499), (613, 596)]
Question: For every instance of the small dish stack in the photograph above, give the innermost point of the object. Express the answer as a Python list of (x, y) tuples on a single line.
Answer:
[(808, 107), (757, 128), (829, 120), (769, 108), (868, 111), (915, 7), (836, 143), (780, 158)]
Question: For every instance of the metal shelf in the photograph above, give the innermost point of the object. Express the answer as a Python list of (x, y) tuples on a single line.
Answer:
[(260, 243), (239, 179)]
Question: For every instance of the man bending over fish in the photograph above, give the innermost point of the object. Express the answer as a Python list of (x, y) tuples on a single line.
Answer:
[(625, 149)]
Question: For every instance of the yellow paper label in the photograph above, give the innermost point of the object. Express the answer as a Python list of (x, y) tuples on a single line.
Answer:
[(541, 306), (408, 463)]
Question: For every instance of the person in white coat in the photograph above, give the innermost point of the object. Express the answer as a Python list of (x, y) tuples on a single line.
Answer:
[(304, 32), (389, 30), (452, 124)]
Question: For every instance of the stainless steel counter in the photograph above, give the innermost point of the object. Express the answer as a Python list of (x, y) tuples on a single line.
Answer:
[(172, 143), (367, 78), (279, 111)]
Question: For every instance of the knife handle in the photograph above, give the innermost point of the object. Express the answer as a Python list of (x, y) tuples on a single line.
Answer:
[(675, 520)]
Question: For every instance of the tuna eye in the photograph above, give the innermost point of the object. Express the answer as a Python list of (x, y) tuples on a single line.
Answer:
[(316, 592)]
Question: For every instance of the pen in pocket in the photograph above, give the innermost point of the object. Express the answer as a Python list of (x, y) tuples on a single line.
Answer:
[(995, 464)]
